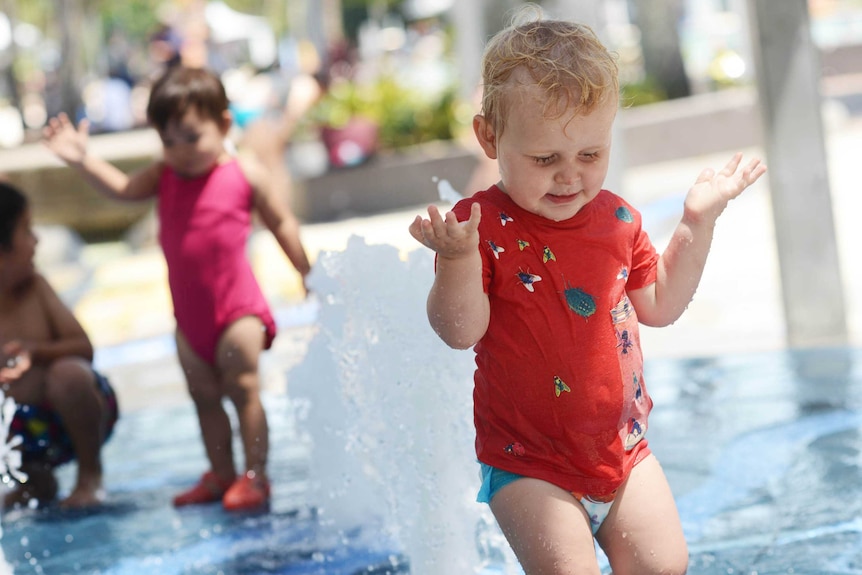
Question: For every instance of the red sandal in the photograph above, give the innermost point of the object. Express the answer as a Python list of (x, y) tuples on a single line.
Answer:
[(247, 493), (210, 488)]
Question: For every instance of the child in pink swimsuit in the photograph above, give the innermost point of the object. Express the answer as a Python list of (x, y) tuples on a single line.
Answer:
[(205, 200), (548, 275)]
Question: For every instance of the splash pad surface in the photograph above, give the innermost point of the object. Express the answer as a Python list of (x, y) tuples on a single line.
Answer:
[(373, 473)]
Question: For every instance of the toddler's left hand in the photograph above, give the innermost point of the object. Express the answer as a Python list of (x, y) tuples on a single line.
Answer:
[(712, 191)]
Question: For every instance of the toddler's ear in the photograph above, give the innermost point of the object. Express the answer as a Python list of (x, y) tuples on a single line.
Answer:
[(226, 121), (485, 134)]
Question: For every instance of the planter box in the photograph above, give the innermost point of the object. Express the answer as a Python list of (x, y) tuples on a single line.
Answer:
[(388, 181)]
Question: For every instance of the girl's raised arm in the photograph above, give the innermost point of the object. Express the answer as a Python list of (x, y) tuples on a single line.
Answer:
[(70, 145)]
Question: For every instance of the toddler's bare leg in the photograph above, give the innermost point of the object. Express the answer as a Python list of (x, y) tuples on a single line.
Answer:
[(642, 533), (547, 528), (41, 485), (237, 359), (70, 387), (206, 392)]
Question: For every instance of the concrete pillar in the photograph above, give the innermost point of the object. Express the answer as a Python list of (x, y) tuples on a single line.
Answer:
[(316, 27), (470, 36), (788, 79)]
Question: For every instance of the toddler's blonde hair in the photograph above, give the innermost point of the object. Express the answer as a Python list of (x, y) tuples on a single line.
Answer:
[(564, 59)]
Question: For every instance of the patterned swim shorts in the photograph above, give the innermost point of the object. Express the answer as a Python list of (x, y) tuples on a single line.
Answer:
[(45, 440)]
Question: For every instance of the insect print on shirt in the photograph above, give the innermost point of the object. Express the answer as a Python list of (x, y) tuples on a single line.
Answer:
[(624, 215), (579, 301), (527, 279), (636, 383), (635, 433), (515, 449), (497, 250), (548, 255), (624, 273), (560, 386), (624, 341), (505, 219), (523, 244)]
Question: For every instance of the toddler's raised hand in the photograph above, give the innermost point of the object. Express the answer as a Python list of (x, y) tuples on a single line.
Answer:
[(712, 191), (448, 237), (61, 137)]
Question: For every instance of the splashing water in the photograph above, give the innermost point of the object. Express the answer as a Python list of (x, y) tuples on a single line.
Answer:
[(10, 460), (388, 408), (446, 192)]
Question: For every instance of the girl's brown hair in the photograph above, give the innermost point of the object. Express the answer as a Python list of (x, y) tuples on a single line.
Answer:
[(181, 89)]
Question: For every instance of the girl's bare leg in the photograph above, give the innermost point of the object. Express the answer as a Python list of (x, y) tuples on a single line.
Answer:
[(237, 359), (206, 391)]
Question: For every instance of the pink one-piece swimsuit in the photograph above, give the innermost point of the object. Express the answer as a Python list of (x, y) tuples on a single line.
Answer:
[(204, 223)]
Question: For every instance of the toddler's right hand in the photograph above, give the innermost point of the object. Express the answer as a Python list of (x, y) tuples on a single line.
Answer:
[(61, 137), (16, 362), (448, 237)]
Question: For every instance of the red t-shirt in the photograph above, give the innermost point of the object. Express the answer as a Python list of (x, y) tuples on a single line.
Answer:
[(559, 389)]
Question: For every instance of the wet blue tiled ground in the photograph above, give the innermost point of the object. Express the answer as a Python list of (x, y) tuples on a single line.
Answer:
[(763, 452)]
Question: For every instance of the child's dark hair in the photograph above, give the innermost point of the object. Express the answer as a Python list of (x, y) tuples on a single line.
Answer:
[(13, 204), (181, 89)]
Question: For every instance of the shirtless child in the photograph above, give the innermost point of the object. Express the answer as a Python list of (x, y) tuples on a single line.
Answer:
[(65, 409)]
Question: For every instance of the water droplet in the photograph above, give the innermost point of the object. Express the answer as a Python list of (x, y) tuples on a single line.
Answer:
[(69, 538), (448, 193)]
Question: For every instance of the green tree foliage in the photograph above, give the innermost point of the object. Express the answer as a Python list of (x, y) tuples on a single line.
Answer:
[(136, 18)]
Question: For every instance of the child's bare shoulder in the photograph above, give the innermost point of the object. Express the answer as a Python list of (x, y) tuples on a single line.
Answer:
[(252, 169), (41, 313), (27, 306)]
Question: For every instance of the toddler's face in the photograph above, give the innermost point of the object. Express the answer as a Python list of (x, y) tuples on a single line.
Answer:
[(194, 144), (551, 167), (16, 265)]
